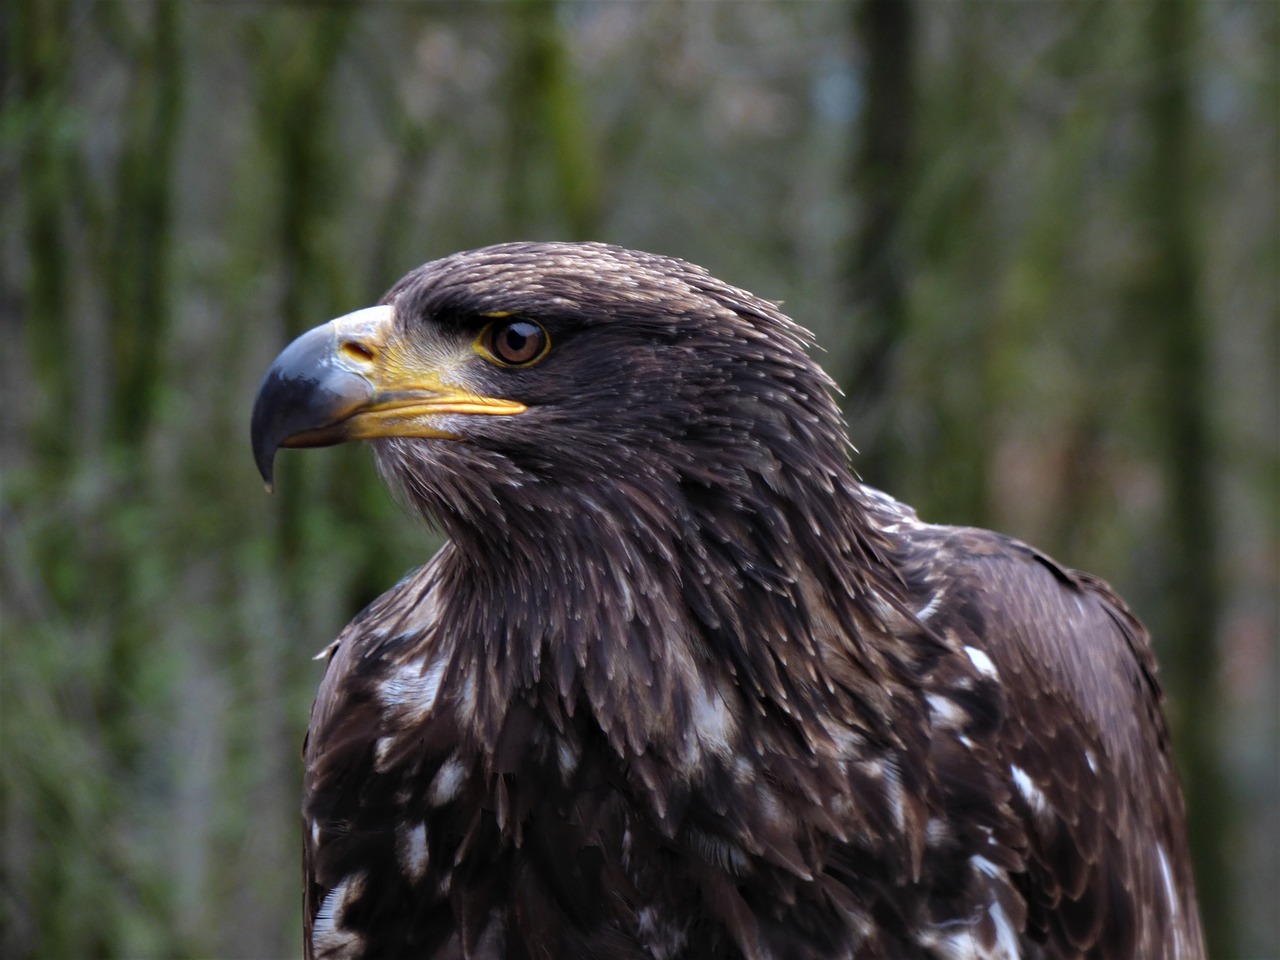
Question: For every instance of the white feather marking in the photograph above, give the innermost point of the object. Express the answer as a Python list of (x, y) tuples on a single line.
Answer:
[(327, 933), (1006, 939), (930, 608), (381, 747), (467, 701), (1166, 875), (983, 865), (447, 782), (315, 833), (945, 711), (966, 943), (936, 831), (327, 917), (413, 851), (713, 721), (982, 662), (1091, 760), (893, 792), (960, 946), (1030, 792), (663, 940), (413, 687), (567, 755)]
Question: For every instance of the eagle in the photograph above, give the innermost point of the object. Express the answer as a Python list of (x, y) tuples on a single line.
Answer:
[(679, 684)]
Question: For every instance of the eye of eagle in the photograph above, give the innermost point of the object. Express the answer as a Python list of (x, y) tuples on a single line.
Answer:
[(514, 343)]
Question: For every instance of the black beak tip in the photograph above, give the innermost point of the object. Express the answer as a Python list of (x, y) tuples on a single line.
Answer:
[(304, 397), (265, 440)]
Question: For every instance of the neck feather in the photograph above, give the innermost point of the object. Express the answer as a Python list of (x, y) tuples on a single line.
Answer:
[(673, 610)]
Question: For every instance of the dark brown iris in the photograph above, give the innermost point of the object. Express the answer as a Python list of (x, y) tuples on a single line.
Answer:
[(516, 343)]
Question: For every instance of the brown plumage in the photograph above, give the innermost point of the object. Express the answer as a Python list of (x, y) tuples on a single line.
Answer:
[(678, 685)]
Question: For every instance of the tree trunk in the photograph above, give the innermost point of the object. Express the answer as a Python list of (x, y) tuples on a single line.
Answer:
[(881, 180), (1170, 299), (552, 179)]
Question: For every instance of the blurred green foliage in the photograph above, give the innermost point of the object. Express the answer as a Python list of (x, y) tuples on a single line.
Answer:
[(1040, 244)]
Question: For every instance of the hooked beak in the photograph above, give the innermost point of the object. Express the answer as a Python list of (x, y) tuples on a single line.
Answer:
[(350, 379)]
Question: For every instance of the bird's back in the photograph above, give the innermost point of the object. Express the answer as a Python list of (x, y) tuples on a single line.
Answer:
[(1082, 744)]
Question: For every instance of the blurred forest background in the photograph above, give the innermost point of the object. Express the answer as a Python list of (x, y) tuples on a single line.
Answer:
[(1040, 243)]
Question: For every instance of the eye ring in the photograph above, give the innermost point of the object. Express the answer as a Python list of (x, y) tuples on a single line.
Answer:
[(513, 343)]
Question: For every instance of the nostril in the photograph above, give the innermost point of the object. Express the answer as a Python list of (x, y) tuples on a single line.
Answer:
[(355, 350)]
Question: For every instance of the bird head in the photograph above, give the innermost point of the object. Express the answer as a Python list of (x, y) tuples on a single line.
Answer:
[(522, 377), (618, 445)]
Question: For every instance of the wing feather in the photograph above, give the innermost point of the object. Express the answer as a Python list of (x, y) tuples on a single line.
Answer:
[(1083, 746)]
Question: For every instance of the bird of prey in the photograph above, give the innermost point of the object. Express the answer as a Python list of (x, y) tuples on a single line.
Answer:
[(678, 684)]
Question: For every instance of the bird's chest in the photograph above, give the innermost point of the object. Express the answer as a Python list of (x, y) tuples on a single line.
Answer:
[(423, 835)]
